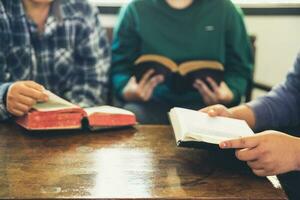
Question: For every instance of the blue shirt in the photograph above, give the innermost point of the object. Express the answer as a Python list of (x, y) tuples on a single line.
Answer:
[(71, 57), (281, 107)]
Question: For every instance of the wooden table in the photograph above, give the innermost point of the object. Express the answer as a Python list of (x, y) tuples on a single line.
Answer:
[(141, 162)]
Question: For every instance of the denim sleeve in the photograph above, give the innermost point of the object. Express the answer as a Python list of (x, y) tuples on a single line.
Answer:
[(281, 107), (3, 112)]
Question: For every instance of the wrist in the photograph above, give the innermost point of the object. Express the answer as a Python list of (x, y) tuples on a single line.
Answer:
[(243, 112), (297, 154), (128, 95)]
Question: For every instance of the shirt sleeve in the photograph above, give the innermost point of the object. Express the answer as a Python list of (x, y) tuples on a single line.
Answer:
[(3, 111), (238, 55), (3, 89), (281, 107), (125, 49), (92, 59), (4, 85)]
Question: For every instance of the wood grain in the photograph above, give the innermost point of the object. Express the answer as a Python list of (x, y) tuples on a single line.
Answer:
[(141, 162)]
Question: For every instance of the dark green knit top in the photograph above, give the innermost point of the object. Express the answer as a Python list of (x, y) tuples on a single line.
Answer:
[(206, 30)]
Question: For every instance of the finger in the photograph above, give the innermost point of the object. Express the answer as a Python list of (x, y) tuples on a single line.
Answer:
[(207, 109), (26, 100), (255, 165), (16, 113), (151, 85), (34, 85), (247, 154), (34, 94), (146, 77), (241, 143), (206, 91), (205, 97), (261, 172), (213, 84), (132, 80), (21, 107), (199, 88), (216, 110)]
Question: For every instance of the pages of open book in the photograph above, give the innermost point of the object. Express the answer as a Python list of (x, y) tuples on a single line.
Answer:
[(192, 125), (54, 103), (107, 110), (198, 126)]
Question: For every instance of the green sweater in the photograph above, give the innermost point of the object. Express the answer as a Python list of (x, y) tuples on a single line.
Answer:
[(206, 30)]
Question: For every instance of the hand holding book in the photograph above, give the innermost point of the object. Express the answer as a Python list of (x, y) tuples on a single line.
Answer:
[(180, 77), (213, 93), (199, 127), (267, 153), (142, 90)]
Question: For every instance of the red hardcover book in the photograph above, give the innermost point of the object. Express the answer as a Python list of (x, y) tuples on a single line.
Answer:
[(58, 114)]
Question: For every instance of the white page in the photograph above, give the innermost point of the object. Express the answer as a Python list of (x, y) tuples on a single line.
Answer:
[(108, 110), (213, 130), (200, 126), (54, 103)]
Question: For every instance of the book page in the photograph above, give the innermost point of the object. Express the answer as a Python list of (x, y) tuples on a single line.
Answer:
[(107, 110), (54, 103), (198, 126)]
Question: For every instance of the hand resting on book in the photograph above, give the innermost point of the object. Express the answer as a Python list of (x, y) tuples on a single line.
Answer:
[(22, 95), (142, 90)]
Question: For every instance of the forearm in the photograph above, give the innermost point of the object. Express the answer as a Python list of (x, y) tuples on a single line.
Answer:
[(244, 112)]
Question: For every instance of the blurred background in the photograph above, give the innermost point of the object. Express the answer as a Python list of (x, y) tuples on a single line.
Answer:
[(275, 25)]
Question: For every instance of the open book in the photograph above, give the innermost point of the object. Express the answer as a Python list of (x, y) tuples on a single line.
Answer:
[(181, 75), (194, 126), (58, 113), (190, 125)]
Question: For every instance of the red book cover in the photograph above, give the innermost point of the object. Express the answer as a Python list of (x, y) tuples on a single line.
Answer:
[(58, 113), (62, 119), (108, 116)]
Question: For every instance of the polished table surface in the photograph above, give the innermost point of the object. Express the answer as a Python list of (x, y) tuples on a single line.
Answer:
[(140, 162)]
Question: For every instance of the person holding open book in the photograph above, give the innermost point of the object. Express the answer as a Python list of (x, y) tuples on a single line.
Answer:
[(183, 36), (270, 152), (57, 45)]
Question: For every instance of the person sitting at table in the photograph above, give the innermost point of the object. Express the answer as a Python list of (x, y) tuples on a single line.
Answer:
[(182, 30), (270, 152), (58, 45)]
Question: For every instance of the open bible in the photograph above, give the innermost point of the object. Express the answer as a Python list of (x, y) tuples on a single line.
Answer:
[(181, 76), (58, 113), (194, 128)]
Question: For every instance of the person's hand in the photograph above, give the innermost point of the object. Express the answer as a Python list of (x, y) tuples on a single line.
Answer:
[(143, 90), (218, 94), (22, 95), (217, 110), (267, 153)]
